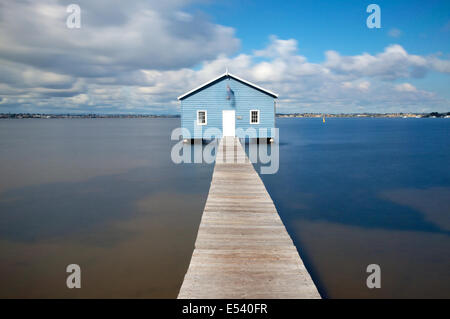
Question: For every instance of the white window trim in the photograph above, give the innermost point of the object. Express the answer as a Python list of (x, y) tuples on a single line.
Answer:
[(206, 117), (251, 116)]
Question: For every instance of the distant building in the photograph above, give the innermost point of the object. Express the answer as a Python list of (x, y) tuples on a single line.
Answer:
[(230, 104)]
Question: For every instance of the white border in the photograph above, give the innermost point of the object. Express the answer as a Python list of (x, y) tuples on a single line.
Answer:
[(250, 120), (206, 117)]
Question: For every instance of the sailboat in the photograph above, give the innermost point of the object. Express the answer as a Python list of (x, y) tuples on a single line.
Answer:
[(323, 118)]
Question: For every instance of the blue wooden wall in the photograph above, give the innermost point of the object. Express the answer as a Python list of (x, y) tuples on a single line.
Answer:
[(213, 99)]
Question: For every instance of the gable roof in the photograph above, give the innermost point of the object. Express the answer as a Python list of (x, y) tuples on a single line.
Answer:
[(227, 75)]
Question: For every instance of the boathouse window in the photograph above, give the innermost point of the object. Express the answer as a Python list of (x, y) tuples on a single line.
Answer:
[(254, 117), (201, 118)]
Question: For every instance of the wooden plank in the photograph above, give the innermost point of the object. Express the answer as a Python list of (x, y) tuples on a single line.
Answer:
[(242, 248)]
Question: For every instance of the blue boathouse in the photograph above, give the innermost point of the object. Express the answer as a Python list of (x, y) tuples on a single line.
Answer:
[(231, 106)]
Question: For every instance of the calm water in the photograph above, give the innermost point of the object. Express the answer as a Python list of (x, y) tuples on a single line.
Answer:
[(104, 194)]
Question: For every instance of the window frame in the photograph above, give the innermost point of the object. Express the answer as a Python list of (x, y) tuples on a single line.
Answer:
[(258, 116), (206, 117)]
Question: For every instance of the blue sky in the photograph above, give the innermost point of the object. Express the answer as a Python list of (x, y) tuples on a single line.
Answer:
[(138, 56), (336, 25), (318, 26)]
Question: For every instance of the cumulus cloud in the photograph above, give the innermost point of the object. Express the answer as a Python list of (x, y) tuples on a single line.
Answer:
[(393, 63), (339, 84), (139, 56), (439, 65)]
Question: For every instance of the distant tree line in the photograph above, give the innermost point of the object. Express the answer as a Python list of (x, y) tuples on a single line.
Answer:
[(92, 115), (49, 116), (400, 114)]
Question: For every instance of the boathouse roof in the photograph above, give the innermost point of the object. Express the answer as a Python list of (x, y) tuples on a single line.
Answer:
[(227, 75)]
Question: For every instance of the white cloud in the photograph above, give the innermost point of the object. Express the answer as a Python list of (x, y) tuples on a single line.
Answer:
[(391, 64), (439, 65), (279, 48), (128, 36), (340, 83)]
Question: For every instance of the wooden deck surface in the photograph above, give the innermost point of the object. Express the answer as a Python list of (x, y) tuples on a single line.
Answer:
[(243, 249)]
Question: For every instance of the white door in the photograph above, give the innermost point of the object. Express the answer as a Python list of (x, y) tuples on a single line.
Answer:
[(228, 123)]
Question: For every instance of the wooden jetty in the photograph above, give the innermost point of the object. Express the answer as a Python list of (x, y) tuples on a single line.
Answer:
[(243, 249)]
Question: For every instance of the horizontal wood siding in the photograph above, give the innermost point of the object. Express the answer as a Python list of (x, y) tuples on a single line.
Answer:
[(214, 100)]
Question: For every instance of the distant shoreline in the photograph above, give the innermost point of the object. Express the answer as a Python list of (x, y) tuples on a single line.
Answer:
[(383, 115), (279, 115), (79, 116)]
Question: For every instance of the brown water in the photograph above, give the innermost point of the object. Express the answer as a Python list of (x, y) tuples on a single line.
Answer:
[(102, 194)]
